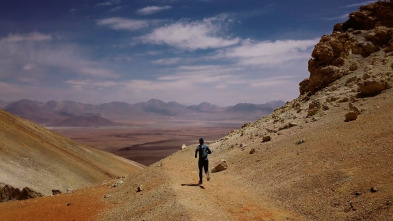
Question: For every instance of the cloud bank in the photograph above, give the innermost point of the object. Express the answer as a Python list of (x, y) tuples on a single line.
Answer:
[(192, 35), (152, 10)]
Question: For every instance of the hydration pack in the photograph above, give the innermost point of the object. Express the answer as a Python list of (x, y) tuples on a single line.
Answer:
[(203, 152)]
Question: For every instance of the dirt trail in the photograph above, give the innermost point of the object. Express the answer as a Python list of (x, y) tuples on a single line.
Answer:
[(224, 197)]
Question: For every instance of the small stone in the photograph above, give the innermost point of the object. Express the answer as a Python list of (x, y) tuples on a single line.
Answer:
[(353, 108), (351, 116), (252, 151), (107, 196), (266, 139), (353, 67), (183, 147), (118, 183), (55, 192), (69, 190), (69, 204), (373, 190), (139, 189), (300, 142)]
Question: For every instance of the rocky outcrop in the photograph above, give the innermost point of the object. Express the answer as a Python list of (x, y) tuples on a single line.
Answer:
[(367, 31), (370, 16), (327, 58), (8, 193)]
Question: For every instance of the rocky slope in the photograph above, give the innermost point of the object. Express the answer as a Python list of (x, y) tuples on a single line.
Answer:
[(33, 157), (309, 160)]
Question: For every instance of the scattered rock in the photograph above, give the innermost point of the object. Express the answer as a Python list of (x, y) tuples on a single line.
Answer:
[(266, 139), (353, 108), (351, 80), (286, 126), (222, 165), (365, 48), (368, 68), (350, 116), (118, 183), (343, 100), (55, 192), (313, 108), (252, 151), (107, 196), (183, 147), (300, 142), (246, 124), (8, 193), (353, 67), (69, 204), (372, 87), (69, 190), (373, 190), (139, 189)]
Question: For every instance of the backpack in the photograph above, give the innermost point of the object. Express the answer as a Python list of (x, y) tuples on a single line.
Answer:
[(203, 152)]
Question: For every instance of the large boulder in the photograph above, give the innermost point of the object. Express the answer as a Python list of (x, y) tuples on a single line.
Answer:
[(372, 86), (222, 165)]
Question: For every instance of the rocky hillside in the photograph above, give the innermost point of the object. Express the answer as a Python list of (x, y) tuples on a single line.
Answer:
[(33, 157), (326, 155), (323, 156)]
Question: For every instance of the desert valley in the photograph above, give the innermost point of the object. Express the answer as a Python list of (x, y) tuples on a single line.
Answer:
[(326, 155)]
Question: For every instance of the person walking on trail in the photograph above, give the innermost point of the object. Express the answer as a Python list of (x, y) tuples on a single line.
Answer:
[(203, 161)]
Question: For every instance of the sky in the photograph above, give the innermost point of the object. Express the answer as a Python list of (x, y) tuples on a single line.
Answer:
[(188, 51)]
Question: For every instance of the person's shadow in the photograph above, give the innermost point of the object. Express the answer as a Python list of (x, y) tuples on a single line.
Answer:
[(193, 184)]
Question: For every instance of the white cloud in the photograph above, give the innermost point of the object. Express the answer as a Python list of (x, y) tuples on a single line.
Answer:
[(152, 10), (194, 35), (34, 36), (358, 4), (118, 23), (108, 3), (35, 57), (341, 17), (166, 61), (268, 53)]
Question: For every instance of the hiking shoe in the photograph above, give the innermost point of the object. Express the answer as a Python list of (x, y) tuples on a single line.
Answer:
[(208, 176)]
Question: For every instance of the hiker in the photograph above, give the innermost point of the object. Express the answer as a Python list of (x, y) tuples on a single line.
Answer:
[(203, 161)]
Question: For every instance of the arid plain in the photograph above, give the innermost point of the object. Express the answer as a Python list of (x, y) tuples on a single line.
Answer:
[(147, 142)]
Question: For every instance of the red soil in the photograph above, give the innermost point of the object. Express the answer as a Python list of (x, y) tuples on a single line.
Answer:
[(83, 204)]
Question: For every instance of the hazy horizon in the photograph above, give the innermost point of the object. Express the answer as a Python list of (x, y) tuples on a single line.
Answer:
[(221, 52)]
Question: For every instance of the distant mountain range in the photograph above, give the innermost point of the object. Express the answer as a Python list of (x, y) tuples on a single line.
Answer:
[(74, 114)]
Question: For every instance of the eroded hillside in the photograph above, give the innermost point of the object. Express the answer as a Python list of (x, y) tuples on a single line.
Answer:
[(33, 157)]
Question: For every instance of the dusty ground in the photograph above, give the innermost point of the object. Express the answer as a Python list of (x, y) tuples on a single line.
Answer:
[(83, 204)]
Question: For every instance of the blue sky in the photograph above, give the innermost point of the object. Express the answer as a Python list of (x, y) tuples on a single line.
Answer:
[(189, 51)]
